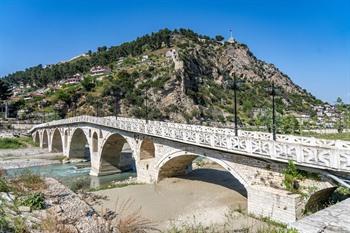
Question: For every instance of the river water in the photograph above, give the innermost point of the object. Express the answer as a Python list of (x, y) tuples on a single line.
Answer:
[(71, 174)]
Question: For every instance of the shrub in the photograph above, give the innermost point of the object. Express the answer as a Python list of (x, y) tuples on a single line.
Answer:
[(19, 225), (35, 201), (29, 181), (10, 143), (4, 187), (4, 225), (79, 184), (291, 176)]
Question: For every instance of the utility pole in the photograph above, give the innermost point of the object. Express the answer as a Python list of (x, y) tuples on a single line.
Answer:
[(273, 94)]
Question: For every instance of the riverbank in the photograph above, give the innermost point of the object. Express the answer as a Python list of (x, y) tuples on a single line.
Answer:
[(27, 157), (177, 201)]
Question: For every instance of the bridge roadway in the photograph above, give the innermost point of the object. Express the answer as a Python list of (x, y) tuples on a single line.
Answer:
[(164, 149), (331, 155)]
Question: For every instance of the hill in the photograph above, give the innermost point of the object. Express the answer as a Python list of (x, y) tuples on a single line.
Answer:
[(168, 75)]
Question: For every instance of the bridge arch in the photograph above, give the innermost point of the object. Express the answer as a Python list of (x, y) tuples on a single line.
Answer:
[(79, 145), (180, 163), (147, 149), (37, 138), (45, 143), (116, 155), (57, 142)]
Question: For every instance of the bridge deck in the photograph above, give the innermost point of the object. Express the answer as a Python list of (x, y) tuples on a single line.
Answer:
[(306, 151)]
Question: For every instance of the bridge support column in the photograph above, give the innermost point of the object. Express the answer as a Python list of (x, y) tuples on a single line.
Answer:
[(277, 204), (95, 166), (145, 171)]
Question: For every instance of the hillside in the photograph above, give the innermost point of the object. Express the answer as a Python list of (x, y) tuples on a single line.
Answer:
[(182, 76)]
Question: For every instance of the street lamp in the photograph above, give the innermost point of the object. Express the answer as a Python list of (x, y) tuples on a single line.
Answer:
[(146, 99), (273, 92), (117, 93), (97, 108), (74, 111), (235, 86)]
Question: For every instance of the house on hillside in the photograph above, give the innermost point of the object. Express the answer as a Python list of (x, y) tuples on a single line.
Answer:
[(77, 78), (99, 70)]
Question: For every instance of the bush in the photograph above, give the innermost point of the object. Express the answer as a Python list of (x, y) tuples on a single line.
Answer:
[(10, 143), (3, 185), (35, 201), (29, 181), (291, 176)]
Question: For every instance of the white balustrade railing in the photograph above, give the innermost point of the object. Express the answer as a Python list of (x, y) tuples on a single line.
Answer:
[(307, 151)]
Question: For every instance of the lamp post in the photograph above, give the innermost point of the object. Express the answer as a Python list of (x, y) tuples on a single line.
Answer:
[(117, 95), (235, 86), (146, 99), (97, 109), (75, 109), (273, 92)]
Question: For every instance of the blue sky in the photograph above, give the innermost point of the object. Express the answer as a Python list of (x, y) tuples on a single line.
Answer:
[(308, 40)]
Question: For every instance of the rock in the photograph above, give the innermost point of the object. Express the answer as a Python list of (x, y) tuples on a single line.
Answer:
[(24, 209), (65, 161), (6, 197)]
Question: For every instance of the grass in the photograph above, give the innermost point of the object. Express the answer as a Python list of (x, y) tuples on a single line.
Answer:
[(36, 201), (10, 143), (16, 143), (21, 187), (28, 181), (331, 136)]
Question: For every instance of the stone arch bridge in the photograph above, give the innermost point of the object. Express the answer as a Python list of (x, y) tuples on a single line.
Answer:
[(163, 149)]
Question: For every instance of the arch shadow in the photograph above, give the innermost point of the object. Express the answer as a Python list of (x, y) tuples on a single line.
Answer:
[(218, 177), (79, 145), (179, 165), (57, 145), (116, 155)]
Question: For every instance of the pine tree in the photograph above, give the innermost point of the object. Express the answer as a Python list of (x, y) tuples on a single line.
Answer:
[(5, 91)]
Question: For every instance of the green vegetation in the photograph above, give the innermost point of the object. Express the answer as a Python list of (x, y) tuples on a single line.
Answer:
[(10, 143), (35, 201), (22, 189), (27, 180), (16, 143), (5, 91), (198, 93), (292, 177), (4, 187), (331, 136)]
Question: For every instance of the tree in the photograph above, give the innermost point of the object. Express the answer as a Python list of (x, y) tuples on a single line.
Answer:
[(5, 91), (219, 38), (88, 83), (290, 125), (340, 106)]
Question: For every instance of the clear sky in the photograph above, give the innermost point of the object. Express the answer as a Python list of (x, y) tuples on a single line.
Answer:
[(307, 39)]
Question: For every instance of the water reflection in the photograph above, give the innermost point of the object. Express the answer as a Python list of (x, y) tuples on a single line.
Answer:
[(68, 174)]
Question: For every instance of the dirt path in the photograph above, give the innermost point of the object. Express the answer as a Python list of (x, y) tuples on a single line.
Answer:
[(205, 195)]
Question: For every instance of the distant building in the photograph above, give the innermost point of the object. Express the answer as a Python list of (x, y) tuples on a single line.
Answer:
[(231, 40), (77, 78), (99, 70), (144, 58)]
